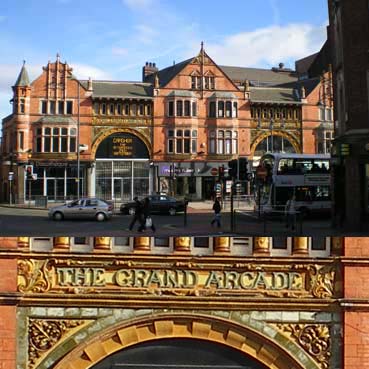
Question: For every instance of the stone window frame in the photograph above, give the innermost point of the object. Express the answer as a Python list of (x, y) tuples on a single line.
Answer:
[(173, 137), (40, 133), (173, 103), (217, 139)]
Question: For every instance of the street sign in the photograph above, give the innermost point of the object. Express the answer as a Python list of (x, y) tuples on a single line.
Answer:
[(34, 176), (228, 186), (214, 171), (218, 187), (10, 177)]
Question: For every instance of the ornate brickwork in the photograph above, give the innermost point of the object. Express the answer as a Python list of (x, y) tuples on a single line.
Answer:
[(43, 335), (313, 338)]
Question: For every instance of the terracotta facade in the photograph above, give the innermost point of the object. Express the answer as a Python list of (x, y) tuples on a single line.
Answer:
[(190, 120)]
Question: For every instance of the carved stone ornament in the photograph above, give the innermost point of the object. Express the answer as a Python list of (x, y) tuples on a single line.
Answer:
[(43, 335), (36, 276), (322, 281), (313, 338)]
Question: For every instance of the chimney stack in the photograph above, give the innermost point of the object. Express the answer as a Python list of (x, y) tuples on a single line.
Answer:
[(148, 69)]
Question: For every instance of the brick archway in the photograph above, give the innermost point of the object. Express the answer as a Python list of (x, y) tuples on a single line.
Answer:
[(212, 329), (101, 137)]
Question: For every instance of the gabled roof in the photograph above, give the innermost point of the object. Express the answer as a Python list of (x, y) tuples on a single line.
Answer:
[(273, 95), (23, 79), (167, 74), (116, 89), (257, 76)]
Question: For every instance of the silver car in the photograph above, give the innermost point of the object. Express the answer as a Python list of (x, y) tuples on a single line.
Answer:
[(83, 208)]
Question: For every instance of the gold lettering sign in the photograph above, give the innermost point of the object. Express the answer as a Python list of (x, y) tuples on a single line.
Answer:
[(60, 276), (122, 146)]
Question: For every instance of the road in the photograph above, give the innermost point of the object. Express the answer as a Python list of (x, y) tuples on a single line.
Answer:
[(35, 223)]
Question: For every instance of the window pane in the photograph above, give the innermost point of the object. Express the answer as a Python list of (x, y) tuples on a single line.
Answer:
[(187, 146), (64, 131), (38, 144), (47, 131), (64, 144), (171, 108), (73, 131), (69, 107), (212, 109), (47, 144), (187, 133), (179, 108), (179, 133), (56, 144), (228, 109), (55, 131), (220, 108), (170, 146), (72, 144), (43, 107), (61, 107), (187, 108), (52, 107), (194, 146), (194, 109), (179, 146), (96, 108)]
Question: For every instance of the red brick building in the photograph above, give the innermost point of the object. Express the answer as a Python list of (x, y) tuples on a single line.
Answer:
[(171, 132), (348, 36), (84, 302)]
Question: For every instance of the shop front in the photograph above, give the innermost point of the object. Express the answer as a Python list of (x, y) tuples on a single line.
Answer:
[(122, 168), (193, 180), (58, 181)]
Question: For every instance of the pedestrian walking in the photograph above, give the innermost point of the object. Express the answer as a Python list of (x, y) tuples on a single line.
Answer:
[(217, 208), (146, 218), (138, 215), (290, 212)]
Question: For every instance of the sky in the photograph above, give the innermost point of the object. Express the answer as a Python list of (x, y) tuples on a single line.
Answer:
[(112, 39)]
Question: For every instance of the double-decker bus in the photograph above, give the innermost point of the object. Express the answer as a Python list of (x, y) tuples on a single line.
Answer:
[(307, 176)]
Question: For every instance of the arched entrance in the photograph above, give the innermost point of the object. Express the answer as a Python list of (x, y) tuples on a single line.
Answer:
[(274, 143), (243, 343), (179, 353), (122, 166)]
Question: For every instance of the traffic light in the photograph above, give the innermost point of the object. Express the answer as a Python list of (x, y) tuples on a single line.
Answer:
[(345, 149), (243, 172), (29, 172), (232, 171)]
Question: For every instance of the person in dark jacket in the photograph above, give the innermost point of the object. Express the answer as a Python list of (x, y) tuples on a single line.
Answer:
[(146, 212), (138, 215), (217, 208)]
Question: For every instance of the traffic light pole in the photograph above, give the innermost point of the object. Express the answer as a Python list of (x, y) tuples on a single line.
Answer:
[(232, 215)]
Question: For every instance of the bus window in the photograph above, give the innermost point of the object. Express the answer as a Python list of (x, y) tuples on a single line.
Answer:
[(322, 193), (304, 194)]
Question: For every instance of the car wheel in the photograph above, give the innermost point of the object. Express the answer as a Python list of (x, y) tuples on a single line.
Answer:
[(172, 211), (100, 217), (131, 211), (58, 216)]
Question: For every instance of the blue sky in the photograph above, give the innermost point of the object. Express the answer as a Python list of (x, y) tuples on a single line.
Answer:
[(112, 39)]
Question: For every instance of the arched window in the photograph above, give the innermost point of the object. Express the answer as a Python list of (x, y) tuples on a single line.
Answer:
[(274, 144)]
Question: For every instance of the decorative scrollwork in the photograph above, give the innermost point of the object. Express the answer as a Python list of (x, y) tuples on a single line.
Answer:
[(44, 334), (37, 276), (313, 338), (322, 281)]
